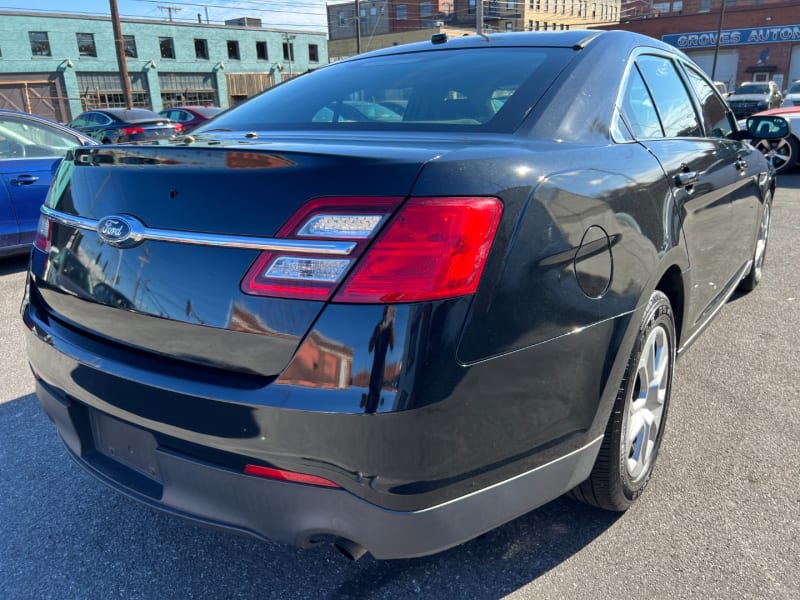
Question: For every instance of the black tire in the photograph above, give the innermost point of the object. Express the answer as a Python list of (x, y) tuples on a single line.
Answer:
[(616, 481), (753, 277)]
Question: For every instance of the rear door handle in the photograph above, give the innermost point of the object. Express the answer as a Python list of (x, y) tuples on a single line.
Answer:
[(24, 179), (686, 178)]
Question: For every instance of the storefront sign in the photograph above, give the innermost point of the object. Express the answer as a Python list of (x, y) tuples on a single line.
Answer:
[(734, 37)]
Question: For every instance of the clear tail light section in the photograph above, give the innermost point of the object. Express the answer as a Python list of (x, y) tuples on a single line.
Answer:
[(316, 276), (43, 231)]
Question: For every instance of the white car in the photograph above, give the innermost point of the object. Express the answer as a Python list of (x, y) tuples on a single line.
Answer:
[(792, 96), (784, 154)]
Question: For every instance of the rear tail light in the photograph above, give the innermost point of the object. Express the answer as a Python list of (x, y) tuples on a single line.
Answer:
[(179, 127), (290, 476), (129, 131), (43, 231), (433, 248)]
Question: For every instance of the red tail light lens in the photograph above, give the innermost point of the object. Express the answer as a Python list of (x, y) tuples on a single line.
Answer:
[(434, 248), (178, 127), (42, 239), (129, 131), (290, 476)]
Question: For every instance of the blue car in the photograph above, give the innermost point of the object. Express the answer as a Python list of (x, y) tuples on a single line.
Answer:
[(31, 149)]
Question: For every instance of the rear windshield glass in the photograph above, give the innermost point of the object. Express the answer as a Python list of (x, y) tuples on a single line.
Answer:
[(752, 88), (475, 89)]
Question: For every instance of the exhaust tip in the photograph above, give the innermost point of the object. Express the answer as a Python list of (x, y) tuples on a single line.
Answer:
[(349, 548)]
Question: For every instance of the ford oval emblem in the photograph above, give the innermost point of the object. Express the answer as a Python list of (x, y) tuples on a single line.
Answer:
[(121, 231)]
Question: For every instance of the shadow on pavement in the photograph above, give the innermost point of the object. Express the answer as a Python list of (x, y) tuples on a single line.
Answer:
[(13, 264), (67, 536)]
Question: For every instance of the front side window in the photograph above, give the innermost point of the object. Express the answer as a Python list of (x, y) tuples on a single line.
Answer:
[(86, 45), (129, 42), (40, 44), (167, 47), (672, 100), (233, 49), (201, 49), (47, 141)]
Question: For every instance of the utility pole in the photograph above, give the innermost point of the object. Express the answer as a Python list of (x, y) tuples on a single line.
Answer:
[(716, 46), (119, 42), (287, 39), (479, 17), (358, 28), (170, 10)]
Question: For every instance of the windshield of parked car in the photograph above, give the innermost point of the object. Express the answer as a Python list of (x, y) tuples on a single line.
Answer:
[(752, 88), (470, 89), (795, 88)]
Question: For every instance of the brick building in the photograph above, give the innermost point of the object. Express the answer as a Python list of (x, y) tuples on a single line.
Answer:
[(759, 39)]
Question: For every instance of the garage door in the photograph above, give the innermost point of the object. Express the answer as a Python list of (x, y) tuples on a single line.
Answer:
[(40, 94), (794, 66), (727, 65)]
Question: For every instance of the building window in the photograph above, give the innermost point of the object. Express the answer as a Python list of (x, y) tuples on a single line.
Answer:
[(509, 26), (448, 9), (288, 51), (233, 49), (129, 43), (538, 5), (705, 6), (342, 19), (201, 48), (313, 53), (86, 45), (402, 11), (511, 4), (40, 44), (677, 6), (424, 9), (261, 51), (547, 5), (167, 47), (536, 26)]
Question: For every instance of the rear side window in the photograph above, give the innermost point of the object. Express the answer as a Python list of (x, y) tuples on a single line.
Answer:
[(673, 103), (481, 89), (639, 109), (716, 118)]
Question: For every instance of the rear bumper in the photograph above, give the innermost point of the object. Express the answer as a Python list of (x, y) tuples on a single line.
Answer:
[(303, 515)]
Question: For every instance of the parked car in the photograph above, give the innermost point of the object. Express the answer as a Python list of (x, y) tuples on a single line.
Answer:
[(782, 153), (190, 116), (120, 125), (792, 95), (752, 97), (31, 148), (325, 326)]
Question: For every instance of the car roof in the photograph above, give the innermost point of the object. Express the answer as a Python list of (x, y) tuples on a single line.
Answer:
[(127, 114), (574, 38)]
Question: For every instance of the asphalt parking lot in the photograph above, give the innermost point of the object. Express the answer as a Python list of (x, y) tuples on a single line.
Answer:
[(721, 518)]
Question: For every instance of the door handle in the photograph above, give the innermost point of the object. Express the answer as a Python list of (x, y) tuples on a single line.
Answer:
[(24, 179), (741, 164), (686, 178)]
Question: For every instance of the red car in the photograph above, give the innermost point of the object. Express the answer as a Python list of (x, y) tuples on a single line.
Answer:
[(191, 116)]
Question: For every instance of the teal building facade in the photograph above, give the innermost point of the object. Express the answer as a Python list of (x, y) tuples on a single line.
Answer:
[(58, 65)]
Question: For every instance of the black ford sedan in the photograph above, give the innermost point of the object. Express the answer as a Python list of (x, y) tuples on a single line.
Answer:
[(118, 125), (401, 300)]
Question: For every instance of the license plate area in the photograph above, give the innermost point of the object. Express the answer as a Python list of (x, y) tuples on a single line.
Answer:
[(125, 444)]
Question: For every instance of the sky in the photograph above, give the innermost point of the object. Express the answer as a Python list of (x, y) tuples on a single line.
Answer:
[(301, 15)]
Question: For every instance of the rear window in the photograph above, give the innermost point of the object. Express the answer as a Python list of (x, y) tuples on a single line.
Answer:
[(475, 89), (751, 88)]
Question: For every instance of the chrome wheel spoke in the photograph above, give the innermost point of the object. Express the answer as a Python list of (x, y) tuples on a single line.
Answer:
[(646, 405)]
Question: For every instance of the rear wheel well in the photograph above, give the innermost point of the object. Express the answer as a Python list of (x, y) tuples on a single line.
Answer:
[(671, 284)]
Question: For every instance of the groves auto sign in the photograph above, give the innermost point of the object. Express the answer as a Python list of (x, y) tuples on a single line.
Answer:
[(734, 37)]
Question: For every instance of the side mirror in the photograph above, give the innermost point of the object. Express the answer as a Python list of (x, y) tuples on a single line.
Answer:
[(767, 128)]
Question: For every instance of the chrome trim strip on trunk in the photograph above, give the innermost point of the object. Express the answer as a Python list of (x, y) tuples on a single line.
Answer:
[(215, 239)]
